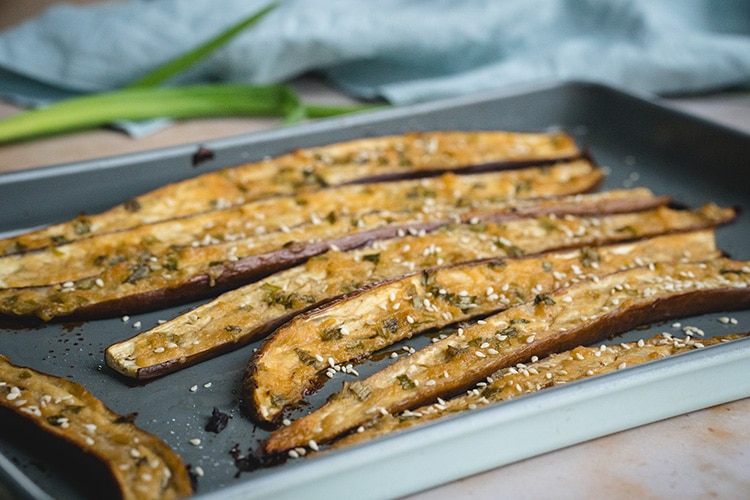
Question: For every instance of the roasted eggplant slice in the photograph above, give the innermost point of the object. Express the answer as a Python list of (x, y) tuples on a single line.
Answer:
[(248, 313), (360, 161), (581, 314), (184, 259), (140, 464), (296, 357), (569, 366)]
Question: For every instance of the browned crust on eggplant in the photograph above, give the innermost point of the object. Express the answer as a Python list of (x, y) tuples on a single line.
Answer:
[(598, 309), (141, 466), (290, 363), (179, 274), (226, 323), (360, 161), (525, 378)]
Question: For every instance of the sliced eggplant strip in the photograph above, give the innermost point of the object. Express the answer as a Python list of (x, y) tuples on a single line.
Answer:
[(296, 357), (146, 281), (140, 464), (569, 366), (82, 259), (240, 316), (581, 314), (359, 161)]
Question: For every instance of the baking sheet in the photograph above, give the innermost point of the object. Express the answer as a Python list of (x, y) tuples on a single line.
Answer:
[(639, 142)]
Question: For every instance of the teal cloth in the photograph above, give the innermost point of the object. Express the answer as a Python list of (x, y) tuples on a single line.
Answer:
[(403, 51)]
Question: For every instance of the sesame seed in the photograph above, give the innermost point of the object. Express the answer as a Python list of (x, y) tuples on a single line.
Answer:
[(13, 394), (195, 442)]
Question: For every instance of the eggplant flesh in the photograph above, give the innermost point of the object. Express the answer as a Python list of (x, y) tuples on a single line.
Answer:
[(581, 314)]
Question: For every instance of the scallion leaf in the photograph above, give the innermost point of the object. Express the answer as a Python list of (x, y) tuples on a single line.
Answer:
[(193, 101), (181, 63)]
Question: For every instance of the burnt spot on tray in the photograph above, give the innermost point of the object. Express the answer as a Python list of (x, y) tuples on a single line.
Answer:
[(203, 154), (217, 422)]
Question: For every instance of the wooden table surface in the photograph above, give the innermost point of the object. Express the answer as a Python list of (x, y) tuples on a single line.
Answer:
[(704, 454)]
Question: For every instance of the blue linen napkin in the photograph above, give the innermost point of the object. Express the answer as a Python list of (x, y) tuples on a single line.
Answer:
[(403, 51)]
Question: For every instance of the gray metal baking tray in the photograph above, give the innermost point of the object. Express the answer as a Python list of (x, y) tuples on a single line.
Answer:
[(640, 142)]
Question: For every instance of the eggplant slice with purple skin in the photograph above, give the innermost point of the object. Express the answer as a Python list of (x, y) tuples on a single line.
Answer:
[(73, 422), (299, 354), (359, 161), (584, 313)]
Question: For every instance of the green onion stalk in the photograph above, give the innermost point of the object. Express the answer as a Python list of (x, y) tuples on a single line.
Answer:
[(194, 101), (144, 100)]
